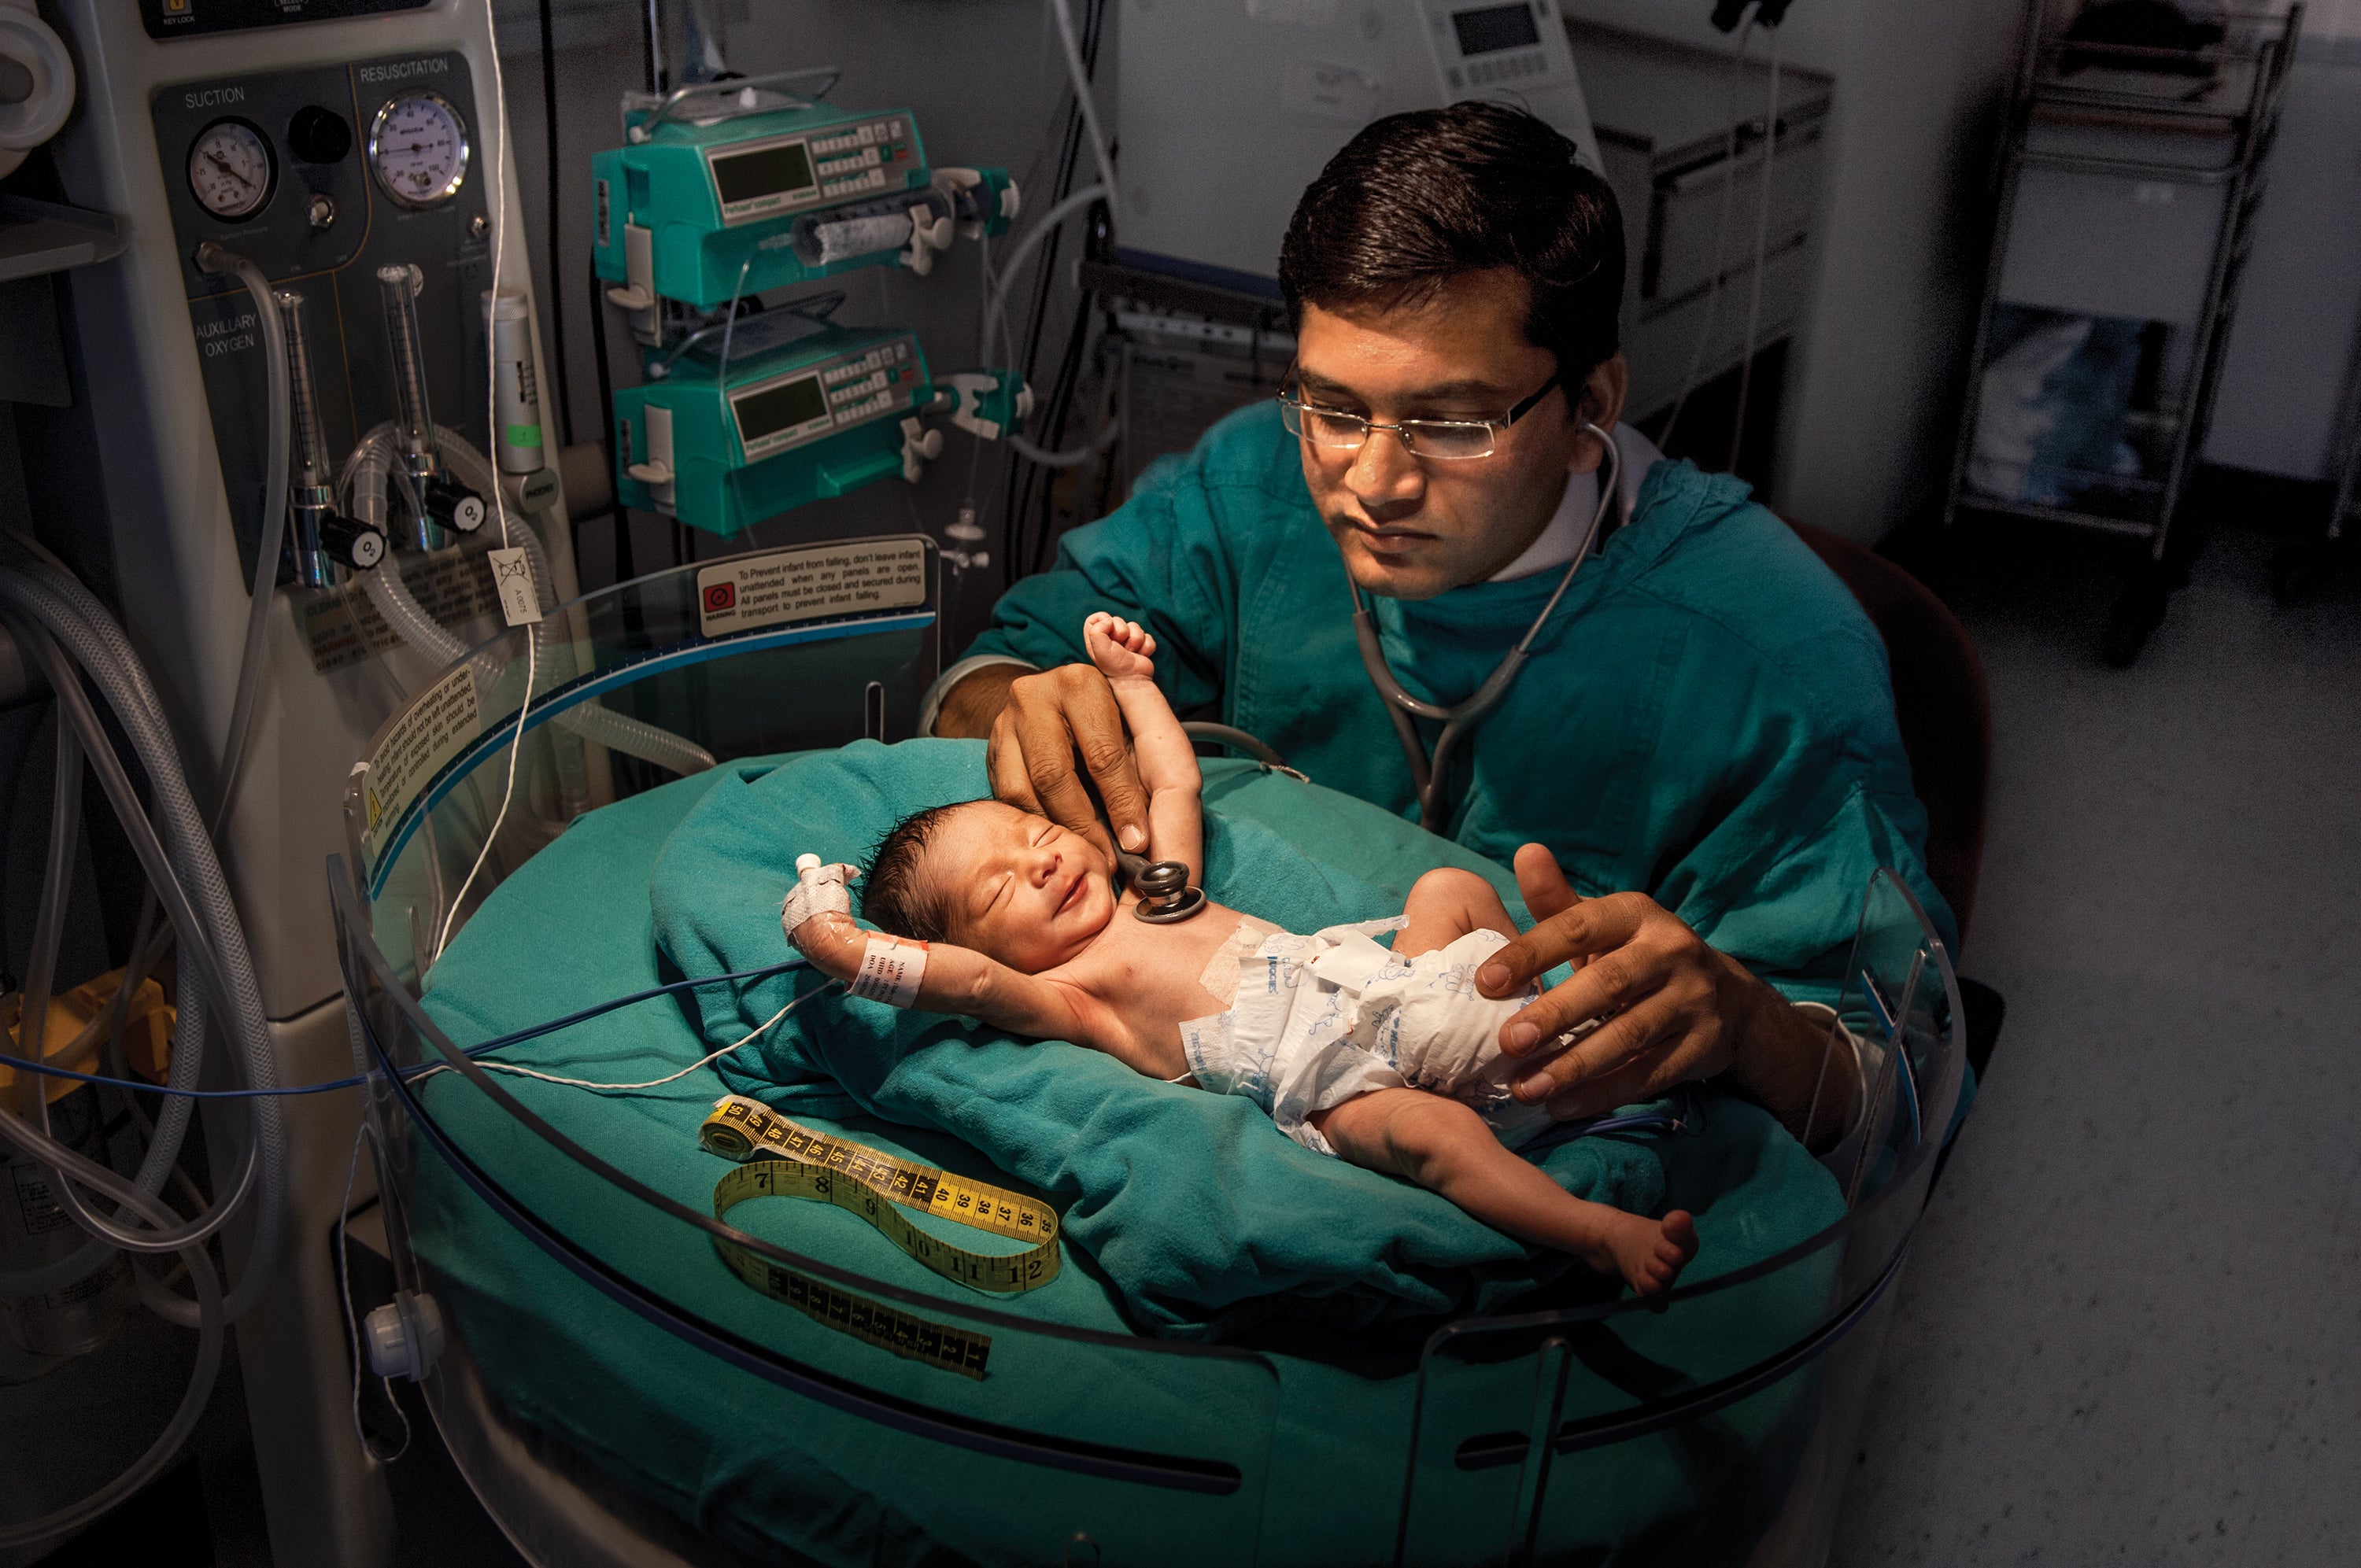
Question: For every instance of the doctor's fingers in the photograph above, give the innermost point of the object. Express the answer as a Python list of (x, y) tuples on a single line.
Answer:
[(1674, 1057), (1641, 995), (1582, 928), (1003, 761), (1541, 883), (1663, 1040), (1058, 713)]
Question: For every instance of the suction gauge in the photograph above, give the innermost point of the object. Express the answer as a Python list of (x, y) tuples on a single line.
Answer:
[(418, 149), (231, 169)]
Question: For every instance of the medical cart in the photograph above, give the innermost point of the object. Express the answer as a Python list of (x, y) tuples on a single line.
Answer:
[(2304, 565), (2128, 182)]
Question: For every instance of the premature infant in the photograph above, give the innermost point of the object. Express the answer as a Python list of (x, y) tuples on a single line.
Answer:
[(1389, 1059)]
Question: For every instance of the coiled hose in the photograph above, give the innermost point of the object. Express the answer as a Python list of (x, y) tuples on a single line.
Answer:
[(62, 622), (70, 635), (365, 480)]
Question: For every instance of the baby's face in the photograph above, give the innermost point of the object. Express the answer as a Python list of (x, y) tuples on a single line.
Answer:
[(1020, 888)]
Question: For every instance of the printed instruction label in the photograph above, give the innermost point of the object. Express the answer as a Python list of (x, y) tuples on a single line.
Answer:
[(445, 719), (810, 583), (449, 586)]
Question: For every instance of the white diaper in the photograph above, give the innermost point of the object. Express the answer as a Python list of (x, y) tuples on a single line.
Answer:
[(1319, 1019)]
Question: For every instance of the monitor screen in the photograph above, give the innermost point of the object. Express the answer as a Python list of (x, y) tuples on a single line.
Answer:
[(1490, 29), (765, 172), (778, 408)]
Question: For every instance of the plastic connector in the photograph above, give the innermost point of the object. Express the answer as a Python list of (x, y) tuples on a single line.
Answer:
[(990, 402), (404, 1337)]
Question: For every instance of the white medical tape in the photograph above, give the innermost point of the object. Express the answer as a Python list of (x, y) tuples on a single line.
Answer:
[(819, 890), (1220, 978), (890, 971)]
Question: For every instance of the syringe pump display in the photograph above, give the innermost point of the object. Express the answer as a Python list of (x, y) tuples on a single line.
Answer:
[(798, 412)]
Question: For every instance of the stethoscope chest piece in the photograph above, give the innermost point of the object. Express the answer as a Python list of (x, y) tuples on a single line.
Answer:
[(1165, 896)]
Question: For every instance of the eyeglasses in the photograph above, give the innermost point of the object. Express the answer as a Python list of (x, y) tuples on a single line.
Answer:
[(1447, 439)]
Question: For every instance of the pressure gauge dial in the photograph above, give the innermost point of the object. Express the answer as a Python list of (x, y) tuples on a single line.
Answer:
[(231, 169), (418, 149)]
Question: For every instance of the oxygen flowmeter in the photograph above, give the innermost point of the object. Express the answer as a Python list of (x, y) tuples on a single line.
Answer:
[(727, 189)]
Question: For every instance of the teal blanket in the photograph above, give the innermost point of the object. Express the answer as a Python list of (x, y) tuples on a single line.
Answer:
[(1199, 1213)]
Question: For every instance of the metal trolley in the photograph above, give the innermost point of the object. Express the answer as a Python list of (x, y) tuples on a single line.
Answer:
[(2128, 184), (1514, 1427), (2304, 565)]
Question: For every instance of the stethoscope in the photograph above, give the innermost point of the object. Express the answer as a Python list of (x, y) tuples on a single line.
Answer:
[(1429, 773), (1165, 895)]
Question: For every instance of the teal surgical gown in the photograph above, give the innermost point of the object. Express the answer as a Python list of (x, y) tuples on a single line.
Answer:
[(1706, 717)]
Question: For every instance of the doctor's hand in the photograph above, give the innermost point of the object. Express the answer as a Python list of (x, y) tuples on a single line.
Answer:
[(1051, 718), (1676, 1008)]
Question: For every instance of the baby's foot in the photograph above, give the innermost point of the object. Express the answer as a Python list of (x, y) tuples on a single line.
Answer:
[(1121, 649), (1650, 1254)]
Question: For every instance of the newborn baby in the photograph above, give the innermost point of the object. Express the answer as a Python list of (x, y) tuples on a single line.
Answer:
[(1389, 1059)]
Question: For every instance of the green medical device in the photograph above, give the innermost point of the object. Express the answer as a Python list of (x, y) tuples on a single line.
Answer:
[(781, 411), (732, 189)]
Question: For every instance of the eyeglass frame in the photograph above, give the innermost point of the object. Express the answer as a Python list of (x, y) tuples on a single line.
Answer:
[(1371, 427)]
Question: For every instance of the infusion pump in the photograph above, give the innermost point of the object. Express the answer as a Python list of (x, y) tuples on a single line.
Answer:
[(1228, 112)]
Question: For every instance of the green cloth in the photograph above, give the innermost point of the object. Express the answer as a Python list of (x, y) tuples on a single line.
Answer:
[(1706, 717), (1198, 1245), (790, 1480)]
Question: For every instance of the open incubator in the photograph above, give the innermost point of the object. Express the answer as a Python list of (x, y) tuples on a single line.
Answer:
[(616, 1394)]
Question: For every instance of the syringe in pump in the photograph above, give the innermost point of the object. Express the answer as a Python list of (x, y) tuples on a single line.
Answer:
[(437, 503), (322, 539)]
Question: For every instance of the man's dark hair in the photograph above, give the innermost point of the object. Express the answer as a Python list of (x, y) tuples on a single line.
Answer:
[(1417, 199), (893, 896)]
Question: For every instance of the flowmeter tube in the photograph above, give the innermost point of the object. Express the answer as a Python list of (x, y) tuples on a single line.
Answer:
[(323, 540), (438, 506)]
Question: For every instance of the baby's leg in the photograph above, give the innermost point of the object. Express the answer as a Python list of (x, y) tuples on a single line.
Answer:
[(1445, 1148), (1444, 905)]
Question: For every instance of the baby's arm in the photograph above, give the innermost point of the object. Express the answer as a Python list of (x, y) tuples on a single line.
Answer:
[(963, 982), (1126, 654), (1445, 1148)]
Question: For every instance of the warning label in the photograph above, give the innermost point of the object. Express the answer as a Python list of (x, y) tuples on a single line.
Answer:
[(454, 587), (445, 719), (38, 1205), (810, 583)]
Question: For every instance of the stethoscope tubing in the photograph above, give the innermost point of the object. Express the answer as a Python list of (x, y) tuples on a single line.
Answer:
[(1429, 773)]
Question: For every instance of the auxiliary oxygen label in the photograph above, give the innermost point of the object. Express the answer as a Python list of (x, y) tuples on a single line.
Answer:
[(810, 583), (445, 719)]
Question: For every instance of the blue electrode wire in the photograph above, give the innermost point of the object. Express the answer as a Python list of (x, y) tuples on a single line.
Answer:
[(504, 1041), (1684, 1119)]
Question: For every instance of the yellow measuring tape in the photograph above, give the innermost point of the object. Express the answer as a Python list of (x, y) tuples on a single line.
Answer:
[(778, 1158)]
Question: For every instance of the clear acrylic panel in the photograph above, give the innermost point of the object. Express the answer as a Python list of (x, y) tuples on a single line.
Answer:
[(548, 1255), (1531, 1432)]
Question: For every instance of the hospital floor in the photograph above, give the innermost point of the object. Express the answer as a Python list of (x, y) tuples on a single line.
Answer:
[(2131, 1328)]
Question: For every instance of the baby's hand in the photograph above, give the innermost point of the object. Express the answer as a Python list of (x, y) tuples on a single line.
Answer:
[(1121, 649)]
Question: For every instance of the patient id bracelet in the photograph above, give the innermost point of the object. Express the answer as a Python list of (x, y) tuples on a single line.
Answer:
[(890, 971)]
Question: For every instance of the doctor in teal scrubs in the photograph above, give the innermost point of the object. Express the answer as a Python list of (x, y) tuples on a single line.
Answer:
[(1702, 749)]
